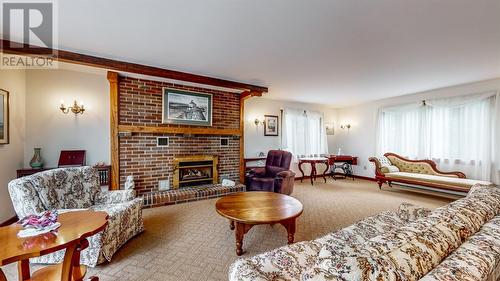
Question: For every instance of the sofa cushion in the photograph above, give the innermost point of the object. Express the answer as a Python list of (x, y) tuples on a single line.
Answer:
[(406, 254), (383, 161), (67, 188), (465, 184), (474, 259), (389, 169), (472, 211), (385, 165), (484, 189), (420, 254), (365, 229)]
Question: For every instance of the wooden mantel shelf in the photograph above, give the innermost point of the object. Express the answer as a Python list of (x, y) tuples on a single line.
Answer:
[(178, 130)]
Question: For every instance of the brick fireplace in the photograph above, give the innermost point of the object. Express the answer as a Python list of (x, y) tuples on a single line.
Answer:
[(140, 125)]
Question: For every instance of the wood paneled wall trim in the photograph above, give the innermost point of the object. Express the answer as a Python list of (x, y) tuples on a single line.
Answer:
[(178, 130), (114, 129), (10, 47)]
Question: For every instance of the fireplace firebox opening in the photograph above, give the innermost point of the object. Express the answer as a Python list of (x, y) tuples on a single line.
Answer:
[(195, 170)]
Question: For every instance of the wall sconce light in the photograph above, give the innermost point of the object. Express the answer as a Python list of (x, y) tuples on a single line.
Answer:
[(257, 122), (76, 108), (346, 126)]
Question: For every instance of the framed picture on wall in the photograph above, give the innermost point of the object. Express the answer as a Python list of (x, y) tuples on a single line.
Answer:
[(186, 107), (271, 125), (330, 130), (4, 117)]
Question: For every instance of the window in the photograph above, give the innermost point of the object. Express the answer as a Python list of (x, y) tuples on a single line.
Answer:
[(304, 132), (458, 133)]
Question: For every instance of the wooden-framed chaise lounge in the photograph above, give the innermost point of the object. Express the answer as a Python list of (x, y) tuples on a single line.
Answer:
[(422, 173)]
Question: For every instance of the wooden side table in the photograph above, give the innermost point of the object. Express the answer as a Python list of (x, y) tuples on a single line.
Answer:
[(246, 209), (71, 235), (313, 161)]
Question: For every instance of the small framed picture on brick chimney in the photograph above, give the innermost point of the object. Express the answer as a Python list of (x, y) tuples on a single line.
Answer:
[(186, 107)]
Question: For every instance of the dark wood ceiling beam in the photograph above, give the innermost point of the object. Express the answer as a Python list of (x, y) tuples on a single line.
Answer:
[(9, 47), (248, 94)]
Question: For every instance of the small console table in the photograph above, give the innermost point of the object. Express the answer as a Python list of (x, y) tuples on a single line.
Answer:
[(313, 161), (104, 173), (346, 167)]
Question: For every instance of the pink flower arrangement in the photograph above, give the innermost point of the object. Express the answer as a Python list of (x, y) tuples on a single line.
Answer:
[(40, 221)]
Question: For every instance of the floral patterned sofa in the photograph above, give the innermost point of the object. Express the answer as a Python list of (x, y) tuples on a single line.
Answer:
[(394, 168), (67, 189), (460, 241)]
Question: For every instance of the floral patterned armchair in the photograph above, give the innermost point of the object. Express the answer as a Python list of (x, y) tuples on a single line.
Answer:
[(68, 189)]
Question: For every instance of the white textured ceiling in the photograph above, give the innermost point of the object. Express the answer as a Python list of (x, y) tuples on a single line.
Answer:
[(332, 52)]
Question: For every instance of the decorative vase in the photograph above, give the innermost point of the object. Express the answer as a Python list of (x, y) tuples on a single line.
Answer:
[(36, 162)]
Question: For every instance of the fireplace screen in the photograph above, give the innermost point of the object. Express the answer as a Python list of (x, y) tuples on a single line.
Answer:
[(195, 170)]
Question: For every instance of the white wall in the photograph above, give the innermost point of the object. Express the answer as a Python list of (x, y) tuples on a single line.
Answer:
[(12, 154), (256, 142), (48, 128), (361, 140)]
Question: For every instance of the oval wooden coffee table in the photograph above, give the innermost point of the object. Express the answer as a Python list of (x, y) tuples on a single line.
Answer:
[(246, 209), (71, 235)]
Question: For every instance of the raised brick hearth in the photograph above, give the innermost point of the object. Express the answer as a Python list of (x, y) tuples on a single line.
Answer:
[(140, 104), (188, 194)]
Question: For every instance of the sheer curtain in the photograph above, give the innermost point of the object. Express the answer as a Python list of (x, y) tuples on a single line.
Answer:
[(458, 133), (304, 132), (399, 130)]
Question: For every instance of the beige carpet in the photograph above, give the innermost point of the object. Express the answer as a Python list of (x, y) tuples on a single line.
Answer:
[(192, 242)]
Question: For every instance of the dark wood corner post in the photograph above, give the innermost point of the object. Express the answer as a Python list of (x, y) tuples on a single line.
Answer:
[(244, 96), (114, 122)]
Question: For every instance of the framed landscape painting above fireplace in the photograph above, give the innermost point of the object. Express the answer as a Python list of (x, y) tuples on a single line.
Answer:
[(186, 107), (4, 117)]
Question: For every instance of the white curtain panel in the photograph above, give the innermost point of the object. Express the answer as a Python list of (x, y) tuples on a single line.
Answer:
[(459, 133), (304, 132)]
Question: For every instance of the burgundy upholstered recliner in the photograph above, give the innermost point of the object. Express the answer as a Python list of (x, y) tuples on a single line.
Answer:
[(275, 177)]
